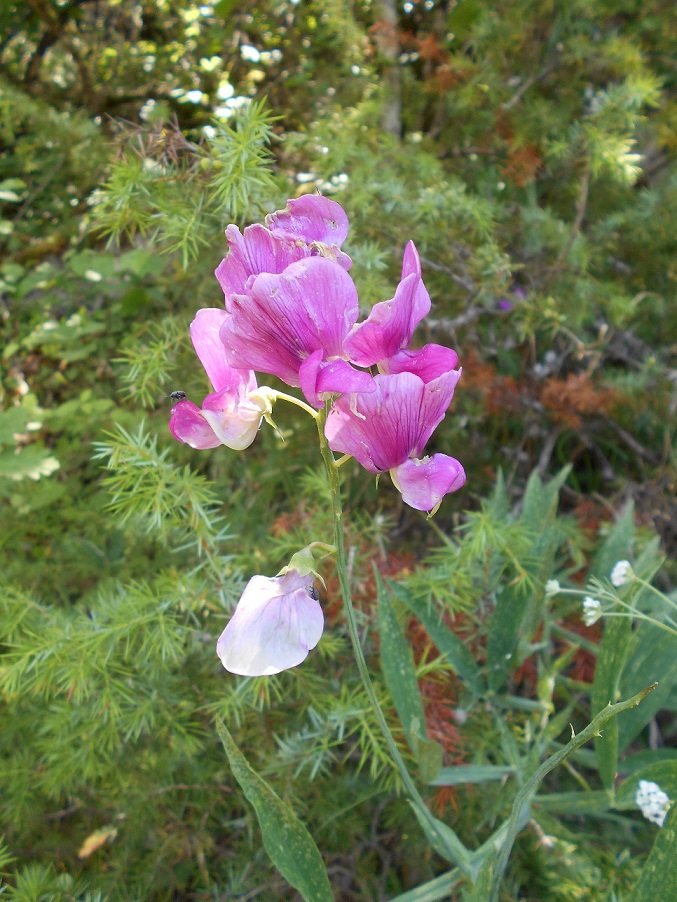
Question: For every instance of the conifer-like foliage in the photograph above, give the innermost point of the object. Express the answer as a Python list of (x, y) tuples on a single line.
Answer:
[(528, 149)]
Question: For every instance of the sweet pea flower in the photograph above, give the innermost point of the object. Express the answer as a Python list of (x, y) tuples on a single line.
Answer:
[(388, 429), (277, 621), (383, 338), (293, 325), (232, 414), (308, 226)]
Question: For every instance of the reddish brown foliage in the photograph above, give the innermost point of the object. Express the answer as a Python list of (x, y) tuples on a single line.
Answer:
[(568, 400), (522, 165)]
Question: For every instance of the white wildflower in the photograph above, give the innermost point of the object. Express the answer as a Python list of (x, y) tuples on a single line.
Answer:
[(552, 587), (652, 801), (621, 573), (592, 610)]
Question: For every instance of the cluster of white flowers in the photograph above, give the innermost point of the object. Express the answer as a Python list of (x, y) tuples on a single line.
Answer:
[(652, 801), (592, 610), (621, 573)]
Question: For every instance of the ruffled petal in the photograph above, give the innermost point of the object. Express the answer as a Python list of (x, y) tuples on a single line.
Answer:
[(318, 376), (427, 362), (254, 252), (187, 425), (276, 623), (311, 218), (233, 418), (424, 483), (284, 318)]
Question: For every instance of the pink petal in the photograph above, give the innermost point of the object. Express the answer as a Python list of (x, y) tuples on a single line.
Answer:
[(187, 425), (390, 324), (204, 333), (233, 418), (257, 251), (311, 218), (424, 483), (318, 376), (284, 318), (428, 362), (381, 429), (276, 623)]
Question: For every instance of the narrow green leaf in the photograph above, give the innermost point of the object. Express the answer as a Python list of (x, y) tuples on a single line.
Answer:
[(454, 851), (540, 500), (613, 653), (439, 888), (653, 659), (504, 634), (290, 846), (617, 545), (447, 642), (594, 802), (471, 773), (657, 880), (399, 672)]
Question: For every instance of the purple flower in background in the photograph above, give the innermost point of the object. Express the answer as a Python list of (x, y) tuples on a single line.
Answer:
[(276, 622), (293, 325), (232, 414), (389, 428)]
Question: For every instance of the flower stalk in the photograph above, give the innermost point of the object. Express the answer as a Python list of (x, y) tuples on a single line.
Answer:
[(446, 838)]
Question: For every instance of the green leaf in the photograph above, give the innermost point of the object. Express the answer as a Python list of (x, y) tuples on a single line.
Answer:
[(653, 659), (290, 846), (399, 672), (471, 773), (617, 545), (594, 802), (31, 462), (453, 849), (447, 642), (439, 888), (613, 653), (657, 880)]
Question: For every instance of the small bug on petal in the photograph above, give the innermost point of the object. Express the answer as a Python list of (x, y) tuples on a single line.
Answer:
[(178, 396), (314, 594)]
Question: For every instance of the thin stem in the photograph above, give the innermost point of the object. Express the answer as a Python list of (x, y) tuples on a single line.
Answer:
[(661, 595), (446, 838), (521, 806), (282, 396)]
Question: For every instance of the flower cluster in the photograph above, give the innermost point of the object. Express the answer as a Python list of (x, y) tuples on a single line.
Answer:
[(291, 311), (652, 801)]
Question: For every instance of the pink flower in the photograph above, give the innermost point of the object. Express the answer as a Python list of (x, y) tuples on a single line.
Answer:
[(383, 338), (389, 428), (308, 226), (232, 414), (293, 325), (276, 623)]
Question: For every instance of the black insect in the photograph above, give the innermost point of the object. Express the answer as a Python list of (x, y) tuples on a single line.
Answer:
[(314, 594), (178, 396)]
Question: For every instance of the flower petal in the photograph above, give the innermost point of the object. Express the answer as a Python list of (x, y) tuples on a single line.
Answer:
[(254, 252), (311, 218), (187, 425), (424, 483), (318, 376), (276, 623), (234, 418), (204, 333), (381, 429), (283, 318), (427, 362), (390, 324)]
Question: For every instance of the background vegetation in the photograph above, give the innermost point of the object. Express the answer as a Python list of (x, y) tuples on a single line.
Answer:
[(526, 146)]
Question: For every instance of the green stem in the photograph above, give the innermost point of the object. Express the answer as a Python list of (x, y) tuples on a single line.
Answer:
[(520, 813), (446, 838)]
